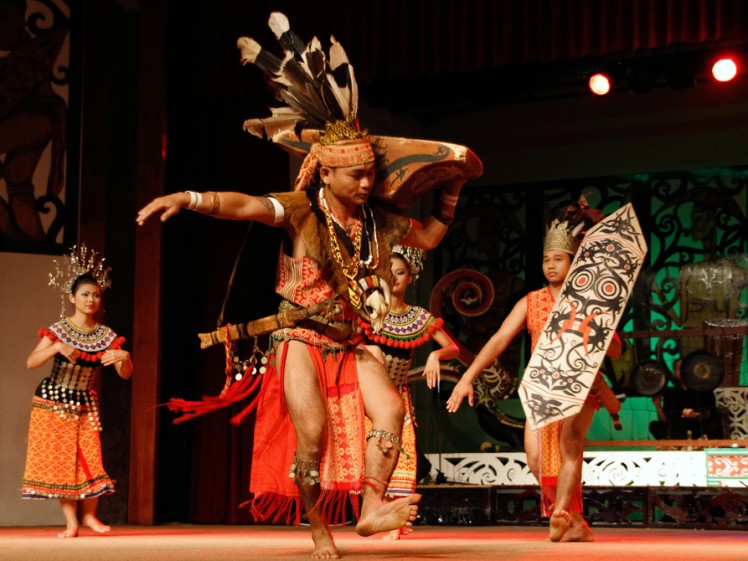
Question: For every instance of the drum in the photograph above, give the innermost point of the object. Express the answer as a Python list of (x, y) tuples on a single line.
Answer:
[(724, 339)]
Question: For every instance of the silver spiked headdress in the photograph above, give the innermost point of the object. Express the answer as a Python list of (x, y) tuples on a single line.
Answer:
[(70, 267)]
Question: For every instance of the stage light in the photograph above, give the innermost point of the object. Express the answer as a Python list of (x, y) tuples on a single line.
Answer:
[(724, 69), (599, 84)]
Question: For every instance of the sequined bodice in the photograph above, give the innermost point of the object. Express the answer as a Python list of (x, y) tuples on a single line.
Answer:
[(401, 334), (69, 385)]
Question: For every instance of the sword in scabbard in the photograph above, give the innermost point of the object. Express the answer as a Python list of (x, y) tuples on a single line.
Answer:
[(284, 318)]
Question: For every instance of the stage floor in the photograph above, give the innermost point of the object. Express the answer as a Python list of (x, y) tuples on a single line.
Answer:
[(259, 543)]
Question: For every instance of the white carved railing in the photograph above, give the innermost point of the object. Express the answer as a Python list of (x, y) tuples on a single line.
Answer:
[(733, 400), (601, 469)]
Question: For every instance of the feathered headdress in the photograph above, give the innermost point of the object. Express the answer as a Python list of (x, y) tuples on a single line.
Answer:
[(565, 232), (319, 121), (320, 91)]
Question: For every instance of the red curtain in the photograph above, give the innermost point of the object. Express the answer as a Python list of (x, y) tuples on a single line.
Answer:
[(389, 38)]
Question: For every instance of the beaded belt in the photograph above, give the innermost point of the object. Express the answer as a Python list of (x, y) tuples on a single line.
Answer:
[(337, 330)]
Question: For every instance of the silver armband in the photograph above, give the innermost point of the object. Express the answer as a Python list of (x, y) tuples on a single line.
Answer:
[(280, 212), (196, 200)]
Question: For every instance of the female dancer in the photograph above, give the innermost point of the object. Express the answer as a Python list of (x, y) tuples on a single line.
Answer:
[(64, 448), (407, 327)]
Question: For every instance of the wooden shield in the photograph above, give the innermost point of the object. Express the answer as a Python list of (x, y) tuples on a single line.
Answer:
[(581, 325), (407, 168)]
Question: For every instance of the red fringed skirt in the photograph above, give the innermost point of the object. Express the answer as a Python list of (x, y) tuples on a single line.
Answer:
[(276, 498)]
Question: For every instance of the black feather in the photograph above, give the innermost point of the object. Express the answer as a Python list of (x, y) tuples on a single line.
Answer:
[(315, 60), (268, 62), (292, 42), (302, 104), (303, 79)]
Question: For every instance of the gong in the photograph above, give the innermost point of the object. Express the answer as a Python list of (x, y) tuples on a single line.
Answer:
[(649, 377), (702, 371)]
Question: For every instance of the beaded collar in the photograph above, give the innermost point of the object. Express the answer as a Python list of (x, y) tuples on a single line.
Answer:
[(410, 329), (97, 340)]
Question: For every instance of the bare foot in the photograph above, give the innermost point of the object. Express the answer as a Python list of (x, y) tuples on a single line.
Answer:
[(324, 546), (95, 524), (579, 531), (69, 532), (560, 523), (389, 516)]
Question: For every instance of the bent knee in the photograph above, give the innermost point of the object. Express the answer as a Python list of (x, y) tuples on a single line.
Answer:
[(388, 412), (396, 405)]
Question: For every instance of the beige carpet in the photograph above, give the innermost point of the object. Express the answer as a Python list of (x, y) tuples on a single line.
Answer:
[(260, 543)]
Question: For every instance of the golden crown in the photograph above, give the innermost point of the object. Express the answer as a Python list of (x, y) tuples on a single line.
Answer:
[(78, 262), (338, 130), (566, 231), (561, 236)]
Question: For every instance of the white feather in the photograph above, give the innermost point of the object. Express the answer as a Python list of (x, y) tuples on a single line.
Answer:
[(278, 23), (337, 54), (249, 49), (342, 95), (354, 93), (282, 119), (338, 57)]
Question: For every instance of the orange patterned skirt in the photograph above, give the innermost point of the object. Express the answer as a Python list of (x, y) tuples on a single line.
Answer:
[(64, 456)]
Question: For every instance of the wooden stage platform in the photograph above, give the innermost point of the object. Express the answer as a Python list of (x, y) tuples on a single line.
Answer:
[(262, 543)]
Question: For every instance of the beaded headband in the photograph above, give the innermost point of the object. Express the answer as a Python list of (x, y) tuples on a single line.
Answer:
[(412, 256), (344, 153)]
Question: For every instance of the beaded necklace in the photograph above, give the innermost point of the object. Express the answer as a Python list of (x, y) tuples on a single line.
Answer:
[(351, 270), (81, 329)]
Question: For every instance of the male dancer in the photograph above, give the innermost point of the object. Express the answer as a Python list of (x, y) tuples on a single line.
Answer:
[(554, 453)]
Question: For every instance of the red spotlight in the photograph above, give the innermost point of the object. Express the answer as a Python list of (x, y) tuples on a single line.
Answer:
[(599, 84), (725, 69)]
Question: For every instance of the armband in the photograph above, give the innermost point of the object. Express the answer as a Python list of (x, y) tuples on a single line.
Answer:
[(279, 211)]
